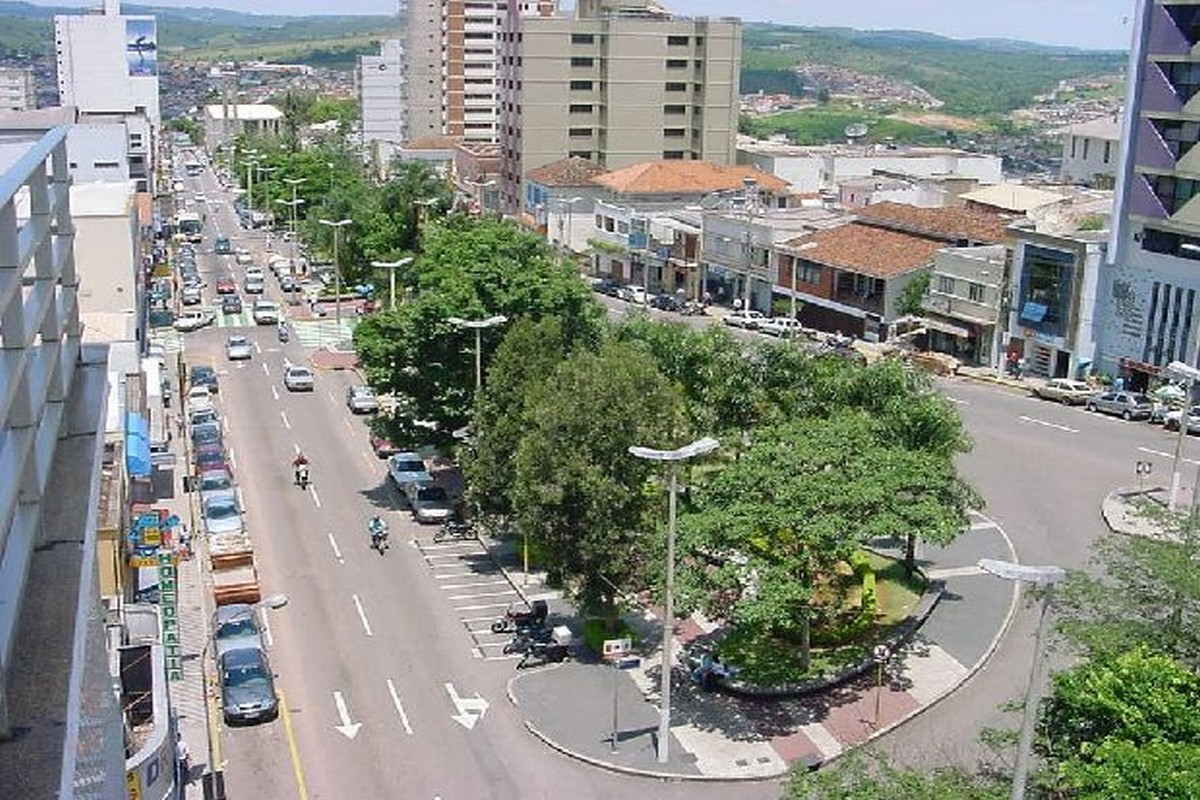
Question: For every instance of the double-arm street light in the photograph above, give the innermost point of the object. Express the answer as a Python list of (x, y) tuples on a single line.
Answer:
[(672, 457), (1046, 577), (478, 325), (294, 182), (337, 267), (391, 267)]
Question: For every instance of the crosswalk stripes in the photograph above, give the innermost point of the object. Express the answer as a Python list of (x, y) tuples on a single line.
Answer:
[(170, 339), (324, 332)]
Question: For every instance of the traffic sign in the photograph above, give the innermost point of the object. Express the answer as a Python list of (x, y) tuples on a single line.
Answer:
[(615, 648), (628, 662)]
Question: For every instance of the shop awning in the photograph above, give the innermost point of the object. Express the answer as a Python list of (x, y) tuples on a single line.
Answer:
[(137, 446)]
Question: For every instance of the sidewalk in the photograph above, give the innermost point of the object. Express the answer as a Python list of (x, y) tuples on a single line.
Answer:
[(715, 736), (1122, 515)]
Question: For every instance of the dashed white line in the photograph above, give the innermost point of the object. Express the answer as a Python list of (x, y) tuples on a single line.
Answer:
[(266, 369), (1168, 456), (399, 706), (337, 552), (362, 615), (274, 392), (257, 348), (316, 498), (1046, 424), (287, 424), (296, 447)]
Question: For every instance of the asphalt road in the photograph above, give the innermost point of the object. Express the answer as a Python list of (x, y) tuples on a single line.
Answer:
[(383, 694)]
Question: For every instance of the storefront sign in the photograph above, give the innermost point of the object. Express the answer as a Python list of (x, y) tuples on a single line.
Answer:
[(168, 611)]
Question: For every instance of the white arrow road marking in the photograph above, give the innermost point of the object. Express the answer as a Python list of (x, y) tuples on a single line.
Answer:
[(313, 491), (274, 392), (399, 707), (337, 553), (1054, 425), (470, 709), (286, 423), (1167, 456), (347, 728), (362, 615)]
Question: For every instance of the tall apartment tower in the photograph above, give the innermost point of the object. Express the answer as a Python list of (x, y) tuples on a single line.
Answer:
[(108, 63), (618, 82), (381, 87), (1149, 297)]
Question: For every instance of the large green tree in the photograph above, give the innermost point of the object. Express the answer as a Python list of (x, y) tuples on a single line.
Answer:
[(867, 776), (577, 491)]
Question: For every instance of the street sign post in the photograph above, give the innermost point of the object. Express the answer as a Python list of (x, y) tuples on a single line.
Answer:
[(616, 652), (880, 654)]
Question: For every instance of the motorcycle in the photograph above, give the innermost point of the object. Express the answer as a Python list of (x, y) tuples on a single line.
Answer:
[(379, 536), (302, 476), (514, 620), (452, 529), (283, 332), (544, 653), (524, 640)]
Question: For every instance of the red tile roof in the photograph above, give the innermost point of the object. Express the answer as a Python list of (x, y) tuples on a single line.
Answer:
[(950, 224), (686, 177), (572, 171), (866, 249)]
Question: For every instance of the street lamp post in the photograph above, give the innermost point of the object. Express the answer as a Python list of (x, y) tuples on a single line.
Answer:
[(391, 267), (1046, 577), (478, 325), (337, 268), (250, 167), (673, 457), (1191, 374), (294, 182)]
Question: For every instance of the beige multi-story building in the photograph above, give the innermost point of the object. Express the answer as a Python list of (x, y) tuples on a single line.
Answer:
[(17, 91), (616, 82)]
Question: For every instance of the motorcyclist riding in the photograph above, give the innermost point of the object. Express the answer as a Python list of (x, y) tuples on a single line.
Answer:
[(300, 468), (379, 531)]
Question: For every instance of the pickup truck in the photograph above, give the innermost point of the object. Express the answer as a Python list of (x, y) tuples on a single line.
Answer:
[(190, 321)]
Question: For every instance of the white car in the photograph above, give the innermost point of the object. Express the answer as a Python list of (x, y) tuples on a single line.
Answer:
[(244, 258), (193, 320), (747, 318), (298, 379), (255, 274), (199, 398), (265, 312), (781, 326), (200, 198), (237, 348), (632, 294), (191, 295)]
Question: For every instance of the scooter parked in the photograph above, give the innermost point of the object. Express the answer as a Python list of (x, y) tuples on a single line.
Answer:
[(514, 619)]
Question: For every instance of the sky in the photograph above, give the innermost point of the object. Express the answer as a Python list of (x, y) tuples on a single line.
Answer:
[(1095, 24)]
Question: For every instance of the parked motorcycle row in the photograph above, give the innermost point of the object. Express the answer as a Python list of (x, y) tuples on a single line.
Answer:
[(533, 638)]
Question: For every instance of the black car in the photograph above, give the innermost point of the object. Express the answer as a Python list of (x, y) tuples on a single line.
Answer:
[(231, 304), (607, 286), (204, 375), (666, 302), (222, 246), (206, 433)]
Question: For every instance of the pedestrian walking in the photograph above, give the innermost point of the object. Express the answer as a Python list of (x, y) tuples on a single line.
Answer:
[(183, 759)]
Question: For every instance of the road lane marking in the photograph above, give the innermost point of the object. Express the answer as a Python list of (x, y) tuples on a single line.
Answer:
[(266, 369), (984, 525), (232, 458), (1044, 423), (337, 553), (330, 393), (1168, 456), (257, 348), (346, 422), (241, 501), (293, 749), (447, 575), (399, 706), (313, 491), (274, 392), (956, 401), (347, 728), (297, 447), (286, 423), (362, 615)]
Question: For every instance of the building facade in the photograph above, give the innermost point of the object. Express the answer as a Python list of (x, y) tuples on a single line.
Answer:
[(1091, 152), (1148, 297), (617, 84), (380, 82), (17, 90)]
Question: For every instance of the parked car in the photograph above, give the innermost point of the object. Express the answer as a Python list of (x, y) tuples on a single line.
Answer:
[(222, 247), (236, 627), (298, 379), (666, 302), (237, 348), (191, 295), (206, 433), (247, 686), (407, 468), (209, 457), (1171, 419), (1065, 391), (231, 304), (266, 312), (213, 483), (361, 400), (783, 327), (226, 285), (382, 447), (1126, 405), (744, 318), (190, 321), (204, 375), (202, 414), (198, 397), (429, 503), (632, 294), (221, 514), (607, 286)]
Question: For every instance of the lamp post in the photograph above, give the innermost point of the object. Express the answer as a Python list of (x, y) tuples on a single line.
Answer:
[(1191, 375), (391, 267), (337, 268), (673, 457), (250, 166), (1047, 577), (478, 325)]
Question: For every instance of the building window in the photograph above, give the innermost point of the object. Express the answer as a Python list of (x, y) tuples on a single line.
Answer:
[(677, 41), (586, 155), (674, 109), (1173, 192), (581, 61), (582, 38), (975, 292), (1179, 135), (1086, 142), (808, 272), (1045, 296), (581, 86), (578, 132), (676, 86), (674, 133), (582, 108), (1184, 77), (1107, 151), (623, 227), (672, 155), (945, 284), (677, 63), (1074, 142)]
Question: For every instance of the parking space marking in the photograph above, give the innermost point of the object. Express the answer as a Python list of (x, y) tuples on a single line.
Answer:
[(445, 576), (450, 586), (266, 625), (1168, 456), (232, 458), (266, 369), (482, 607), (480, 595)]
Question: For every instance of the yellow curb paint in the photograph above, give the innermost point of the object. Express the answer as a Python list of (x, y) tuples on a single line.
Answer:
[(293, 749)]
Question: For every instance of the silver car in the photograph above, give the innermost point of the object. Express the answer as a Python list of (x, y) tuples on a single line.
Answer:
[(236, 626), (361, 400), (247, 686), (237, 348), (430, 503), (221, 514), (299, 379), (1126, 405)]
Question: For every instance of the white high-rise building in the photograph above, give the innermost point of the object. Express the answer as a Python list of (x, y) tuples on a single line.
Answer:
[(108, 63), (381, 95)]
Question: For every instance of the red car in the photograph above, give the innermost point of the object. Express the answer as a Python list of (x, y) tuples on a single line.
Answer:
[(226, 286), (383, 448)]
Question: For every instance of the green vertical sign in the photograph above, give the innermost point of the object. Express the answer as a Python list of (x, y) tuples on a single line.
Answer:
[(168, 608)]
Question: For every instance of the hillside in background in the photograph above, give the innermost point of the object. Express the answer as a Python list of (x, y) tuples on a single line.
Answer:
[(973, 78)]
